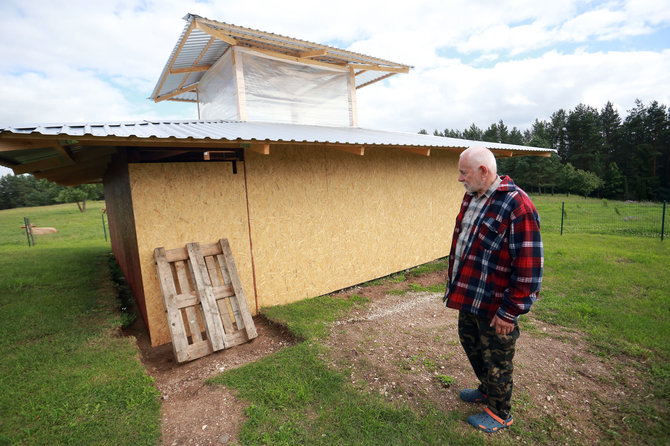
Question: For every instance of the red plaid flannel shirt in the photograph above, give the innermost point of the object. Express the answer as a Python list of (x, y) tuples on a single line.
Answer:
[(501, 269)]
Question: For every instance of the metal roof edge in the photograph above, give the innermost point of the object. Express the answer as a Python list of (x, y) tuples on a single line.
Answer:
[(222, 130)]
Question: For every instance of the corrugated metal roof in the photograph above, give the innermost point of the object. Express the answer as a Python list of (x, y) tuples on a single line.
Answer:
[(197, 47), (232, 131)]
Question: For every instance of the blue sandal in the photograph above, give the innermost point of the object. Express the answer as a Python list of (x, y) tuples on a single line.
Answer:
[(473, 396), (489, 422)]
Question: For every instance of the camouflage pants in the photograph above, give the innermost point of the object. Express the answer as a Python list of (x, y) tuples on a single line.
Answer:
[(491, 358)]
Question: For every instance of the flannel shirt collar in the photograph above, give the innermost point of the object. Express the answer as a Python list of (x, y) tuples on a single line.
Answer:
[(488, 191)]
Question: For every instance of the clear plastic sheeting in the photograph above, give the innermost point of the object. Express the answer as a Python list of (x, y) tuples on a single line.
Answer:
[(249, 86), (217, 92)]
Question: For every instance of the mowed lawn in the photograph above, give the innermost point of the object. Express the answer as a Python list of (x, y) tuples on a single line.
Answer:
[(66, 377)]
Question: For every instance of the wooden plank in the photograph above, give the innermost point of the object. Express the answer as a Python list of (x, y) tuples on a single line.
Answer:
[(368, 67), (198, 350), (174, 255), (240, 87), (375, 80), (237, 338), (189, 299), (210, 311), (176, 55), (190, 69), (175, 321), (239, 292), (9, 145), (360, 151), (45, 164), (278, 55), (224, 270), (424, 151), (351, 81), (191, 312), (175, 93), (263, 149), (312, 53), (220, 302), (208, 29)]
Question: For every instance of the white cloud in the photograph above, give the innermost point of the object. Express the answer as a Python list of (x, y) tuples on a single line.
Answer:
[(88, 61), (517, 92)]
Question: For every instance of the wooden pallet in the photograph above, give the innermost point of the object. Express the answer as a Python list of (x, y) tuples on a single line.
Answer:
[(201, 289)]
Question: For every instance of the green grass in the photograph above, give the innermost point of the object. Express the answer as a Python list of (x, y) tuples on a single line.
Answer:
[(296, 399), (599, 216), (309, 319), (66, 377)]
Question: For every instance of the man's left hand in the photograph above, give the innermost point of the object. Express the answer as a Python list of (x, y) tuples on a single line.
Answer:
[(502, 327)]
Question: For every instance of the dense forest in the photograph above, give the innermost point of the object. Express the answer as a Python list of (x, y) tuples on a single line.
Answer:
[(599, 153), (18, 191)]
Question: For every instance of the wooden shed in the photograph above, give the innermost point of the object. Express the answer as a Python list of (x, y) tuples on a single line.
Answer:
[(309, 202)]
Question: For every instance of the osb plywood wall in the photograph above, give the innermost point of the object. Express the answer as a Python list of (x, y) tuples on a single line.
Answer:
[(180, 203), (323, 219)]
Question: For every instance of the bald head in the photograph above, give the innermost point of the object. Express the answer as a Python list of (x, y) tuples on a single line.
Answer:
[(478, 169), (477, 156)]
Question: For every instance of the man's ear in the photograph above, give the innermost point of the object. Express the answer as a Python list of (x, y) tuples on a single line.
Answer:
[(484, 170)]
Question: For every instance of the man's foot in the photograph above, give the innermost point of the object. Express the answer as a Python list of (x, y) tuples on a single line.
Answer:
[(489, 422), (473, 396)]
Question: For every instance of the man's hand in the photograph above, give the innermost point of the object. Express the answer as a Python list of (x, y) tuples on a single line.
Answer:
[(502, 327)]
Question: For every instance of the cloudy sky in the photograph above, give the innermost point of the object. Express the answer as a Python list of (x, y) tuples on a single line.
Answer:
[(475, 61)]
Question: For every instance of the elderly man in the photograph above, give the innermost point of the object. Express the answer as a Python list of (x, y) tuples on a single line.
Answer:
[(495, 272)]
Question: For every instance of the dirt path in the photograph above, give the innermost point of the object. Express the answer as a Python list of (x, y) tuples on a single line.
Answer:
[(397, 347)]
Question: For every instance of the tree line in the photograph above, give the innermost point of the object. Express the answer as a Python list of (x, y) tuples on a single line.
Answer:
[(599, 153), (25, 191)]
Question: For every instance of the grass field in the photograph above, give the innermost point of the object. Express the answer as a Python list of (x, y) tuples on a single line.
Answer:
[(66, 378), (598, 216)]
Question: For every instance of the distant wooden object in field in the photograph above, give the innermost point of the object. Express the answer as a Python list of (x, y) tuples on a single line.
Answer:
[(37, 231), (203, 297)]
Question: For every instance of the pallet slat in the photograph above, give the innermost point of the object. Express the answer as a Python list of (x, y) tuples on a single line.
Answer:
[(191, 312), (210, 311)]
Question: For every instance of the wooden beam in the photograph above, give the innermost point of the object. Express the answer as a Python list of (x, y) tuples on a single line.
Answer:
[(64, 152), (10, 145), (356, 66), (176, 55), (89, 169), (263, 149), (351, 81), (175, 93), (376, 80), (307, 61), (360, 151), (46, 164), (541, 154), (312, 53), (207, 29), (502, 153), (424, 151), (190, 69)]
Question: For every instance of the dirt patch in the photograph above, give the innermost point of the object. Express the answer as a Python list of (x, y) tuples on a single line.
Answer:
[(195, 413), (398, 347)]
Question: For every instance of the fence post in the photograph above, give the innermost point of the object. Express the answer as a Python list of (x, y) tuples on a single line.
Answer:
[(663, 221), (29, 231), (562, 213), (104, 229)]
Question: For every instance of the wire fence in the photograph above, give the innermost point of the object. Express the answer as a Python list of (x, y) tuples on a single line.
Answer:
[(641, 219)]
